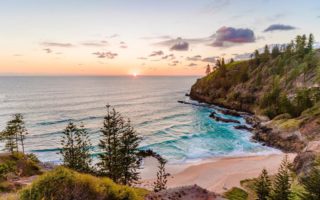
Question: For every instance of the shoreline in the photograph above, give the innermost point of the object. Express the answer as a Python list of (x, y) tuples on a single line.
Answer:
[(216, 174)]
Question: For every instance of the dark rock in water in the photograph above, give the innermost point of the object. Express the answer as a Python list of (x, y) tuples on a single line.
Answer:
[(212, 115), (194, 104), (220, 119), (243, 127), (230, 112), (187, 95)]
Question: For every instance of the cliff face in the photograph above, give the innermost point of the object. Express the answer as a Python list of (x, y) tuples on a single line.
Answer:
[(283, 86)]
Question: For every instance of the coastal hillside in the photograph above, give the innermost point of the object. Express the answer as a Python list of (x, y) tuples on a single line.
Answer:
[(279, 85)]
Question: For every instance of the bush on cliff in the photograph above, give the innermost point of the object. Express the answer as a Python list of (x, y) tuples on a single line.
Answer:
[(62, 183)]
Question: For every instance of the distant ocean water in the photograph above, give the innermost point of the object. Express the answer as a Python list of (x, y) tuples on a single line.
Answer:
[(180, 133)]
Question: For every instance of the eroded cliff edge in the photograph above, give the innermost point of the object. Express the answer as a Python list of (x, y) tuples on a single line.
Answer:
[(280, 88)]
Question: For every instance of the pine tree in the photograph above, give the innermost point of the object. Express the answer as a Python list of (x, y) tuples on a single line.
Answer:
[(256, 58), (110, 159), (222, 68), (119, 160), (275, 51), (75, 148), (83, 144), (311, 183), (282, 183), (162, 175), (14, 134), (208, 70), (310, 43), (129, 142), (266, 54), (9, 136), (263, 186), (21, 131)]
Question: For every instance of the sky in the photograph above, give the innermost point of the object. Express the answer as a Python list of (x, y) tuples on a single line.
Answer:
[(144, 37)]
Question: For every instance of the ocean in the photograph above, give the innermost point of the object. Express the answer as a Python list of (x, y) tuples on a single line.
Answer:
[(179, 132)]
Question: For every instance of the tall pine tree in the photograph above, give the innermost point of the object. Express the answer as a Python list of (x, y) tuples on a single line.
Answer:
[(119, 159), (14, 134), (282, 183), (129, 142), (263, 186), (311, 183), (75, 149)]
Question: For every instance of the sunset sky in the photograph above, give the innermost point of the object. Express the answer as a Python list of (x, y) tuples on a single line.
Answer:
[(147, 37)]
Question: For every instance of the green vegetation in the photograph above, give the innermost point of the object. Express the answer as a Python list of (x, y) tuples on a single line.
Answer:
[(75, 148), (281, 189), (119, 161), (16, 165), (311, 183), (274, 82), (263, 186), (14, 134), (285, 184), (236, 194), (63, 183), (162, 175), (119, 142)]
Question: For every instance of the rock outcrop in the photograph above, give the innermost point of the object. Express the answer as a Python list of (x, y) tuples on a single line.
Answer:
[(304, 160), (193, 192), (221, 119)]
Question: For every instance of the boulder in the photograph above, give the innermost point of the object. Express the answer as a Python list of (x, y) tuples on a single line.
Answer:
[(230, 112), (304, 160), (221, 119), (243, 127)]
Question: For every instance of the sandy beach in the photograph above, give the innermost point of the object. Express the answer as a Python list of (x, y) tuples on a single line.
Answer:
[(216, 175)]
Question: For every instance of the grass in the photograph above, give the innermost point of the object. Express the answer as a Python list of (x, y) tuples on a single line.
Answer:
[(249, 185), (288, 124), (236, 194), (63, 183), (14, 166)]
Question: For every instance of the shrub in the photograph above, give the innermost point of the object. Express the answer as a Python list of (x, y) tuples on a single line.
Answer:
[(62, 183), (236, 194)]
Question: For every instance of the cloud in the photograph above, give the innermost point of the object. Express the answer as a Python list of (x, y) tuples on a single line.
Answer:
[(209, 59), (180, 45), (279, 27), (156, 53), (101, 43), (174, 63), (194, 58), (169, 57), (47, 50), (57, 44), (123, 45), (171, 42), (192, 65), (108, 55), (113, 36), (142, 58), (226, 35), (162, 37)]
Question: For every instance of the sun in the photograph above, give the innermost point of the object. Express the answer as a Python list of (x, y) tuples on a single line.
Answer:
[(135, 74)]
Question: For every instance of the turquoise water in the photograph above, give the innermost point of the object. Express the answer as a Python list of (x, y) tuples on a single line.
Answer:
[(179, 132)]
